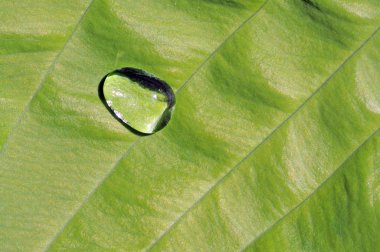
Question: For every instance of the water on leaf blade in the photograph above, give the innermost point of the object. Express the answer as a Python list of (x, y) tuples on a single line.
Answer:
[(137, 99)]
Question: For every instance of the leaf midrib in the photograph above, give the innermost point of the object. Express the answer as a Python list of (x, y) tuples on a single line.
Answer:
[(43, 81), (263, 141), (125, 154)]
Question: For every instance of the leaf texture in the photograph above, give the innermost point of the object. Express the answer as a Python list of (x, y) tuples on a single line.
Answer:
[(275, 127)]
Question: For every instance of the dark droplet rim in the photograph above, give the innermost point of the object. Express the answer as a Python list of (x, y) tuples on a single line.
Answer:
[(147, 81)]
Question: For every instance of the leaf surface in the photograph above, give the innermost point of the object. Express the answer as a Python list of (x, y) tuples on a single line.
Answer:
[(274, 100)]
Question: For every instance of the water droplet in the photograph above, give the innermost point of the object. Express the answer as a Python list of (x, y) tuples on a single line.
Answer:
[(137, 99)]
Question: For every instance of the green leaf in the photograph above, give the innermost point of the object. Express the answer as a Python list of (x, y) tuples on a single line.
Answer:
[(273, 144)]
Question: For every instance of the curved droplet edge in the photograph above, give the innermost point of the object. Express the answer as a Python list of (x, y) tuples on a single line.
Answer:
[(164, 119), (104, 101), (152, 83)]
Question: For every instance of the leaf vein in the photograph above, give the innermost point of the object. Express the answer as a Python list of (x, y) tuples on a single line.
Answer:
[(176, 221), (340, 166), (43, 81), (125, 154)]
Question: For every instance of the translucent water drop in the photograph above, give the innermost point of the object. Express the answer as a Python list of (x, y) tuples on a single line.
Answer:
[(137, 99)]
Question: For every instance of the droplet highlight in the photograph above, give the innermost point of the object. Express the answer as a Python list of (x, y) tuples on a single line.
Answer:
[(140, 101)]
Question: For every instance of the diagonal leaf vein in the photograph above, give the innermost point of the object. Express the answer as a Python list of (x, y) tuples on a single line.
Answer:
[(43, 81), (340, 166), (176, 221), (125, 154)]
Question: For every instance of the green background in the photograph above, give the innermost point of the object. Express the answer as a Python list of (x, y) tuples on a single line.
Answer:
[(273, 145)]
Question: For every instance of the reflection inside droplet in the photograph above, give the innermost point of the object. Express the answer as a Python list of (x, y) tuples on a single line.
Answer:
[(137, 99)]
